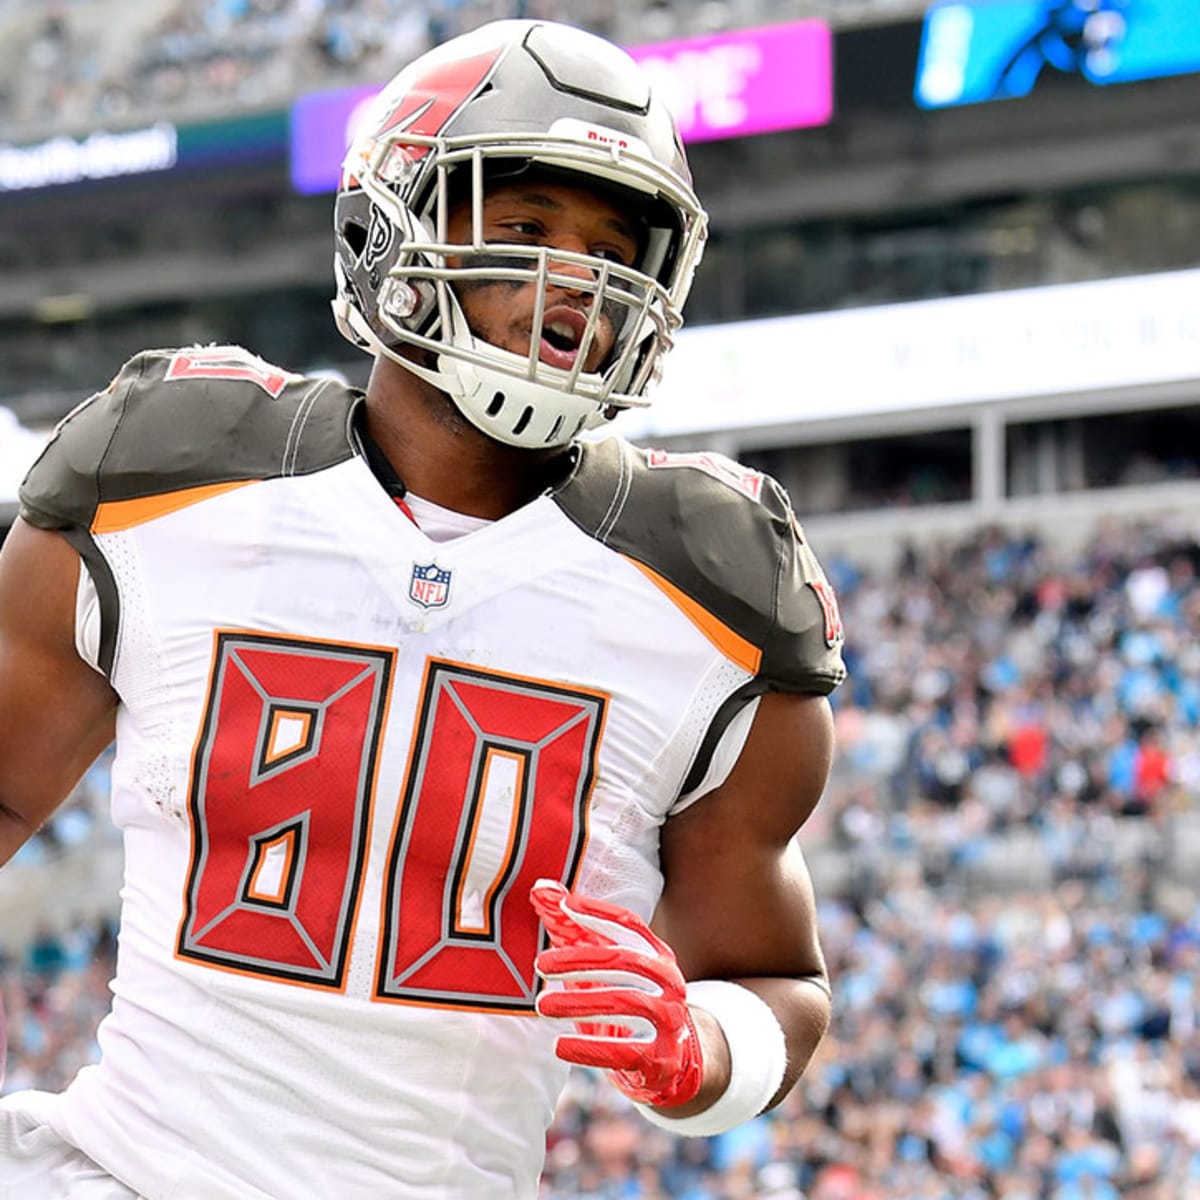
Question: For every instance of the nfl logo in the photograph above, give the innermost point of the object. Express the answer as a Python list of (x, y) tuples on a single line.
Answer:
[(429, 586)]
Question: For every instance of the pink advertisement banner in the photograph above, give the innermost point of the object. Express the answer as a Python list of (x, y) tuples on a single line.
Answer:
[(745, 81)]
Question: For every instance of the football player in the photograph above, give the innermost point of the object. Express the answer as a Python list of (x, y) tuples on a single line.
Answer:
[(455, 743)]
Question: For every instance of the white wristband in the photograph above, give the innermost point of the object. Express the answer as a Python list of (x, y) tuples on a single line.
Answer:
[(757, 1058)]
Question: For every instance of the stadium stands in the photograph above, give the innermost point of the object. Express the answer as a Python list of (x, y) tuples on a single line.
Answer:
[(104, 60)]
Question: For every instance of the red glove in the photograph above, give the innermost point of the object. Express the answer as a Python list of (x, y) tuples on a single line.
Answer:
[(625, 992)]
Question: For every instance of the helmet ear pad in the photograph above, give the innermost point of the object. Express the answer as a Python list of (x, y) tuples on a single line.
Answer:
[(370, 248)]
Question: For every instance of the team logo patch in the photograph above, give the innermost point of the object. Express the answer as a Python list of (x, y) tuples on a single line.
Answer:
[(834, 632), (429, 586)]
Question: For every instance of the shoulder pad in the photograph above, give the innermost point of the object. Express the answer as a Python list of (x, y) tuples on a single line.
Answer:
[(178, 419), (725, 537)]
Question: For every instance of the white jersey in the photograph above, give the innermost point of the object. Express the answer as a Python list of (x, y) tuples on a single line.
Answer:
[(345, 752)]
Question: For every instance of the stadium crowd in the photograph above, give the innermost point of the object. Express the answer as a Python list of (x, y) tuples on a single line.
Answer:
[(223, 54), (90, 64), (1007, 904), (247, 53)]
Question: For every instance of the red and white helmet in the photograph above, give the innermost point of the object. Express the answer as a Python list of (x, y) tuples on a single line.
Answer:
[(514, 96)]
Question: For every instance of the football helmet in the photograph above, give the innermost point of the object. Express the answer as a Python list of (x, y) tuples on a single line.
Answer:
[(513, 97)]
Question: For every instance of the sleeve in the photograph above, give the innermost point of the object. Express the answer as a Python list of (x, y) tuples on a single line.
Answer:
[(174, 420), (722, 758), (724, 537), (750, 560), (792, 615), (89, 627), (62, 489)]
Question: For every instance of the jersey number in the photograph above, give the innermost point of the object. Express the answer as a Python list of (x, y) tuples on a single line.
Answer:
[(283, 783)]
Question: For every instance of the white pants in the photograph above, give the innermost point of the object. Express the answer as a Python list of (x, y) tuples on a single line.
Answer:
[(36, 1164)]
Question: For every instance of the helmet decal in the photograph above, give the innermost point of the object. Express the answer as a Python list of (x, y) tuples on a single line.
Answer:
[(434, 97), (423, 107)]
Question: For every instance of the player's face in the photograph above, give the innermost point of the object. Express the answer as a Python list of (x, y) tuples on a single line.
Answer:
[(565, 217)]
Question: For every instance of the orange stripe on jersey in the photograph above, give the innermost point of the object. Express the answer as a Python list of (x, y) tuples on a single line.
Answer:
[(735, 647), (115, 515)]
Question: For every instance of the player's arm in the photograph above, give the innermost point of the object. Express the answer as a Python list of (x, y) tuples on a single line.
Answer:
[(710, 1017), (56, 712), (738, 902)]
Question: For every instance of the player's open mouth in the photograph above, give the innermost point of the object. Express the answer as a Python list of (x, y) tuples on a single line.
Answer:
[(562, 332)]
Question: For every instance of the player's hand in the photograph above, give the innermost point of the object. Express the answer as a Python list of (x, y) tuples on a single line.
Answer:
[(625, 992)]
